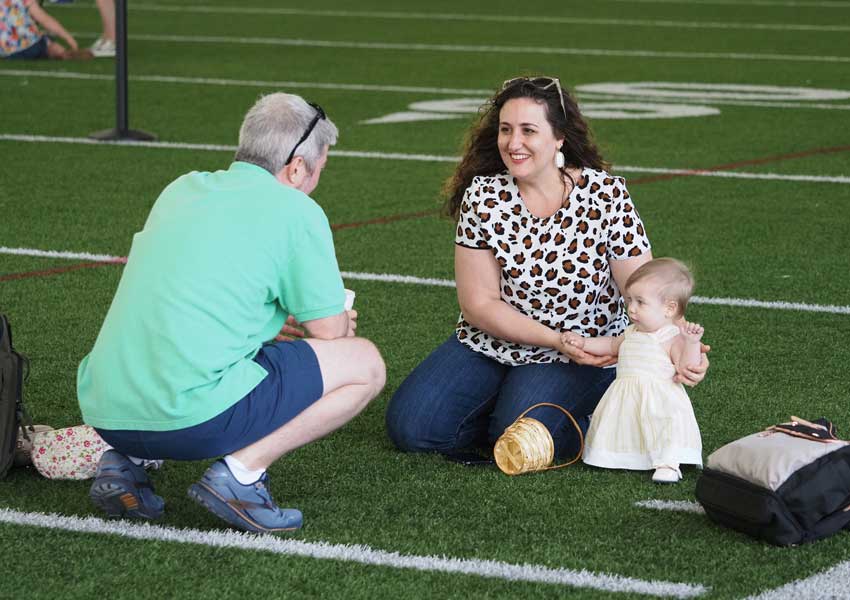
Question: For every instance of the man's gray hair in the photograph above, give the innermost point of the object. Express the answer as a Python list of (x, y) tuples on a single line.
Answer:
[(274, 125)]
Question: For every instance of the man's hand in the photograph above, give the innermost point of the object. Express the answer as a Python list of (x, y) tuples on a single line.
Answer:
[(290, 331)]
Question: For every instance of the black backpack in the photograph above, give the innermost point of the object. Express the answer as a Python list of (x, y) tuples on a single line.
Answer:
[(13, 415), (787, 485)]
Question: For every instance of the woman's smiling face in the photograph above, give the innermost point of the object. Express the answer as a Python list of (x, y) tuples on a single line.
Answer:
[(527, 143)]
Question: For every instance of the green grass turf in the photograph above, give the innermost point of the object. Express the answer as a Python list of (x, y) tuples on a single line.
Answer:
[(769, 240)]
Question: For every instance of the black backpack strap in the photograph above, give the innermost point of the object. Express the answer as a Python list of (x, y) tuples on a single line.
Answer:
[(24, 418), (818, 431), (5, 340)]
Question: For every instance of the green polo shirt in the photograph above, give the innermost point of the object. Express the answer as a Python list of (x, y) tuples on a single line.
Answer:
[(222, 260)]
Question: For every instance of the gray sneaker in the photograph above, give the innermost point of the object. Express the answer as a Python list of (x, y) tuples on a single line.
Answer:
[(122, 488), (249, 507)]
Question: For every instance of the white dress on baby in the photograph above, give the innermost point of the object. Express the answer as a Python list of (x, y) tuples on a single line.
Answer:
[(645, 419)]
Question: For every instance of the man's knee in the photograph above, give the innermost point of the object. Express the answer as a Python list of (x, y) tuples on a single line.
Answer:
[(373, 362), (350, 361)]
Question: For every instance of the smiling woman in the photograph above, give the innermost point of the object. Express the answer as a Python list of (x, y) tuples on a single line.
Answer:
[(545, 242)]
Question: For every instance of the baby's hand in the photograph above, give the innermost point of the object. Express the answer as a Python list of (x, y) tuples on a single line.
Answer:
[(568, 338), (692, 331)]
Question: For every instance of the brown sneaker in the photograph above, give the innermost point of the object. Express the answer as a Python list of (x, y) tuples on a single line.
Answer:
[(23, 447)]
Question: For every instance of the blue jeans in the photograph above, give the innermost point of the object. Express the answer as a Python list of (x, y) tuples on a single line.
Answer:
[(458, 398)]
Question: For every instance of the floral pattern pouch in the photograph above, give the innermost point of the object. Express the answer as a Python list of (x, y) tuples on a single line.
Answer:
[(68, 453)]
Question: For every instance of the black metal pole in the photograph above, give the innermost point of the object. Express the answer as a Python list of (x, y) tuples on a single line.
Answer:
[(122, 129), (122, 123)]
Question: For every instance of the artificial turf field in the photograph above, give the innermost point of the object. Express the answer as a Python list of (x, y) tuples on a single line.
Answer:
[(767, 220)]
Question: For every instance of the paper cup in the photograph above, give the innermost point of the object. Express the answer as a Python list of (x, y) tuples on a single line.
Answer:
[(349, 299)]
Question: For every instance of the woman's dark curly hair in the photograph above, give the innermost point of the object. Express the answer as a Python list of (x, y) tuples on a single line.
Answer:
[(481, 153)]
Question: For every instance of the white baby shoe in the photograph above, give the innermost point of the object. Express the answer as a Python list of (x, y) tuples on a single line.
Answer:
[(667, 474)]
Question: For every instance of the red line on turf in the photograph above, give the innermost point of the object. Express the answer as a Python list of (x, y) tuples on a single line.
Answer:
[(382, 220), (741, 163), (638, 180), (425, 213), (60, 270)]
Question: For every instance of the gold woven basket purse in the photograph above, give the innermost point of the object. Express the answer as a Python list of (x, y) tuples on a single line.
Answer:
[(526, 445)]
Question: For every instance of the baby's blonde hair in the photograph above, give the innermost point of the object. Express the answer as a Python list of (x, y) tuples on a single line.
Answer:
[(677, 283)]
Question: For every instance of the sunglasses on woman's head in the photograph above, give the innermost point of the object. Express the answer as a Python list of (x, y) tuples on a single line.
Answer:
[(541, 83), (320, 115)]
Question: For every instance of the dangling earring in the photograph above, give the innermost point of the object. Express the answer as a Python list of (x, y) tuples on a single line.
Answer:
[(559, 159)]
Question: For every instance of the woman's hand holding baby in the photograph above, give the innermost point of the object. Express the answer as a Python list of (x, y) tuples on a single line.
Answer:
[(572, 346)]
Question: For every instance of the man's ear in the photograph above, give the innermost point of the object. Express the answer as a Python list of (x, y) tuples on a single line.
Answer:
[(294, 173)]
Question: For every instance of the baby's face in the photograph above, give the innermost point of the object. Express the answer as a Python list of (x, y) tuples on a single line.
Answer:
[(647, 309)]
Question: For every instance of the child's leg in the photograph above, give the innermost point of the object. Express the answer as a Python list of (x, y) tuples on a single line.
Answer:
[(107, 18)]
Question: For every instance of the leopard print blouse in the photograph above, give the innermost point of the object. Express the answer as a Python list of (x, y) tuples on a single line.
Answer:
[(554, 269)]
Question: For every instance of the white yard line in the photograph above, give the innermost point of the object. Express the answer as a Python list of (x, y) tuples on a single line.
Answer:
[(46, 139), (131, 143), (360, 553), (403, 89), (737, 174), (594, 97), (391, 278), (62, 254), (484, 18), (793, 3), (464, 48), (449, 283), (832, 584), (349, 87), (752, 303)]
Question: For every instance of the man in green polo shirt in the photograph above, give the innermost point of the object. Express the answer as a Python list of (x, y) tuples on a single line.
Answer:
[(192, 362)]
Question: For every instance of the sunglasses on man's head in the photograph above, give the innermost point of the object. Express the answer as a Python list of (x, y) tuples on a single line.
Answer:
[(541, 83), (320, 114)]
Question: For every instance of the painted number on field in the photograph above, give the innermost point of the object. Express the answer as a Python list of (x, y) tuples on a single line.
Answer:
[(706, 92), (640, 100)]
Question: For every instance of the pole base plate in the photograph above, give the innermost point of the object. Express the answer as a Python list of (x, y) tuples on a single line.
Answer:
[(122, 134)]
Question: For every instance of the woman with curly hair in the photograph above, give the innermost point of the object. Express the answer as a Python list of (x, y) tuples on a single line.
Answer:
[(545, 241)]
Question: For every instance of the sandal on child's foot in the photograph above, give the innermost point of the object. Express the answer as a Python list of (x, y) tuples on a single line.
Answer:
[(667, 474)]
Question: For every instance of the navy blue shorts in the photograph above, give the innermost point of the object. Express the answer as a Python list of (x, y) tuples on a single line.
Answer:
[(294, 383), (37, 50)]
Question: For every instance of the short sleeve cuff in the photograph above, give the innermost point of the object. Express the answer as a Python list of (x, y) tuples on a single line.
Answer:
[(319, 313)]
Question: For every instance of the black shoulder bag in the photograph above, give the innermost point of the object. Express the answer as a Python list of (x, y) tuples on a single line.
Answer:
[(13, 415)]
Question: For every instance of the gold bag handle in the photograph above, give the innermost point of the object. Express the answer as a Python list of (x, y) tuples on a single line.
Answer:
[(526, 445)]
